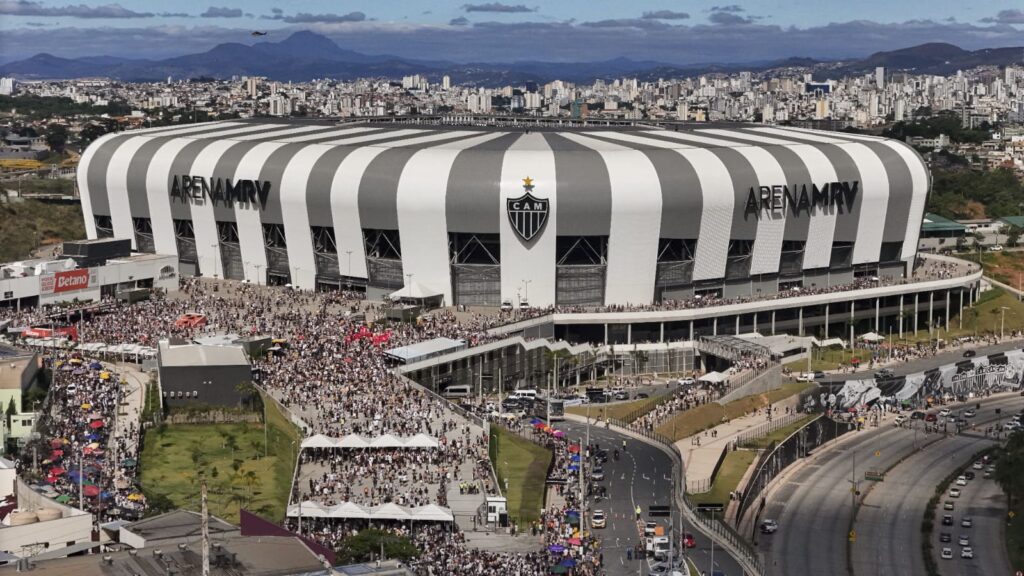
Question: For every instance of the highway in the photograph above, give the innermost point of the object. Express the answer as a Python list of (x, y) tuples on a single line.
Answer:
[(983, 500), (641, 477), (813, 503), (888, 523), (926, 363)]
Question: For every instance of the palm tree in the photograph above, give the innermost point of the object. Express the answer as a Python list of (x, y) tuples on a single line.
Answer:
[(245, 390)]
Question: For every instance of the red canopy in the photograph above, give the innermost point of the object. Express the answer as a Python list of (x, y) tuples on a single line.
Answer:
[(57, 471), (96, 424), (91, 491)]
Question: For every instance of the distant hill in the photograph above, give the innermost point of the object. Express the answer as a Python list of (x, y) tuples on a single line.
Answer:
[(306, 55)]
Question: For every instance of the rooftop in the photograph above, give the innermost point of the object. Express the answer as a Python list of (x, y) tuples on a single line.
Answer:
[(11, 370), (178, 524), (197, 355)]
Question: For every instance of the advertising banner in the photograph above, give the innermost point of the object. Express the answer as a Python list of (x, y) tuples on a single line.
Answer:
[(68, 281), (1001, 371)]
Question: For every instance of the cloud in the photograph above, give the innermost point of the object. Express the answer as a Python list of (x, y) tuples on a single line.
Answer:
[(29, 8), (174, 15), (215, 12), (734, 8), (730, 15), (307, 18), (1006, 17), (36, 24), (497, 7), (625, 23), (460, 21), (665, 15)]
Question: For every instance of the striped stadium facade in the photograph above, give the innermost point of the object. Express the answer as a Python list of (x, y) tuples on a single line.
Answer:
[(612, 215)]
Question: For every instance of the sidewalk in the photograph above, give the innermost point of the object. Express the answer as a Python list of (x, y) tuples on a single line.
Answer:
[(126, 432), (700, 460)]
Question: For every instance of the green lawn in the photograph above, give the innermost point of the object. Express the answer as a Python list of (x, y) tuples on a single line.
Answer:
[(830, 358), (689, 422), (175, 457), (778, 435), (625, 411), (26, 225), (524, 465), (729, 475)]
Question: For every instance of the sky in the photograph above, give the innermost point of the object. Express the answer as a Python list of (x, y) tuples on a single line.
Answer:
[(669, 31)]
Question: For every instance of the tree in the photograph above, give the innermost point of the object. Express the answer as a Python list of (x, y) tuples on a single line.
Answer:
[(366, 545), (11, 411), (1010, 469), (56, 136), (245, 391)]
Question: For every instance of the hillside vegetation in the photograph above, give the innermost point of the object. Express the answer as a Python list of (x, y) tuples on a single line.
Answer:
[(24, 226)]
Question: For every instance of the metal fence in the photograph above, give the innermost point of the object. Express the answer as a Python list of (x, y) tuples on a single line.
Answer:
[(798, 445), (743, 438)]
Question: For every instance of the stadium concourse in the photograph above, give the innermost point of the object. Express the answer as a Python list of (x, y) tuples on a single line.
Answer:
[(333, 375)]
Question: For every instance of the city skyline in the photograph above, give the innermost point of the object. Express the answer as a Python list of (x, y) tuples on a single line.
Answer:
[(697, 32)]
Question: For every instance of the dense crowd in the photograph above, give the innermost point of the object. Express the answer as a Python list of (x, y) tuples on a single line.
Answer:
[(83, 452)]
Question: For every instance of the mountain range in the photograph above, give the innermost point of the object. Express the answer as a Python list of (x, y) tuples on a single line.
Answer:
[(306, 55)]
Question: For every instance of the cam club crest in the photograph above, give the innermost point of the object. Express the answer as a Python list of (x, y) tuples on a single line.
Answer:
[(527, 214)]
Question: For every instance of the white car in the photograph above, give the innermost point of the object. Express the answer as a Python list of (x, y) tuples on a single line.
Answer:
[(947, 553), (966, 522), (954, 492), (961, 481), (805, 377), (598, 519), (769, 526), (966, 552), (945, 412), (899, 420), (649, 528), (978, 465), (995, 248), (964, 540)]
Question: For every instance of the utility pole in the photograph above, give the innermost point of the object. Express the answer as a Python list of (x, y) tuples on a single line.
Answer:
[(1002, 322), (206, 531)]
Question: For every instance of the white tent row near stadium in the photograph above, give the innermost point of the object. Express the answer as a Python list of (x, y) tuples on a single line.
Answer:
[(390, 511), (384, 441)]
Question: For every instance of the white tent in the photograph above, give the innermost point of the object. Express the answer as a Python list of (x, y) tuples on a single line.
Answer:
[(872, 337), (712, 377), (387, 441), (319, 441), (349, 510), (432, 512), (309, 509), (353, 441), (421, 441), (389, 511)]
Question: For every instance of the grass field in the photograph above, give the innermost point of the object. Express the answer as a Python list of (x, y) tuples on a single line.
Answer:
[(778, 435), (729, 475), (689, 422), (624, 411), (524, 466), (230, 457), (830, 358)]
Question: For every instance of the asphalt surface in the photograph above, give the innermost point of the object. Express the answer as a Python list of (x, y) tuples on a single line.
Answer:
[(983, 500), (813, 503), (888, 523), (640, 477)]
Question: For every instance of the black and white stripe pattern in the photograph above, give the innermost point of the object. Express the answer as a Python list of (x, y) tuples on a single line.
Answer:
[(633, 185)]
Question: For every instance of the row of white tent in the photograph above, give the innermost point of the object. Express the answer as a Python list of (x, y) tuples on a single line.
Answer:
[(383, 441), (93, 347), (391, 511)]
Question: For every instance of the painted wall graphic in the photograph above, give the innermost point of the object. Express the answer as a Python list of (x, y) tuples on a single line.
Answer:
[(981, 374)]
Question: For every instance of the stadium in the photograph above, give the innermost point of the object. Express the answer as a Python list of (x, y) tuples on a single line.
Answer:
[(484, 215)]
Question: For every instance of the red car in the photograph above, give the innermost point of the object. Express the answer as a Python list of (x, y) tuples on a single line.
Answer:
[(689, 541)]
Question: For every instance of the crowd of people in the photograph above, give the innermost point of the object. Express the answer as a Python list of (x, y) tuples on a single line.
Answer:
[(78, 451)]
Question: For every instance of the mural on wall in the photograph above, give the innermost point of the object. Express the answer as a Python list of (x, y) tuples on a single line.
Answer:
[(995, 372)]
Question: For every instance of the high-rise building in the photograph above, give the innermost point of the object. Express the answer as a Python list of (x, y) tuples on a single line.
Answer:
[(6, 86), (880, 77), (446, 82), (252, 86)]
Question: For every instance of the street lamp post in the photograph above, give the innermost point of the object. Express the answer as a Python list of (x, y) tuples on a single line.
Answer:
[(1002, 322), (408, 284), (215, 259), (348, 271), (526, 291)]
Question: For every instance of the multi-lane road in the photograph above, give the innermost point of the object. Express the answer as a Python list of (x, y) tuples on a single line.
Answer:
[(642, 476), (814, 502), (984, 502)]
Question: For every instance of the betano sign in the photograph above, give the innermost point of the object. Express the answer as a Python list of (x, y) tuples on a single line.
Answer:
[(797, 198), (68, 281), (199, 189)]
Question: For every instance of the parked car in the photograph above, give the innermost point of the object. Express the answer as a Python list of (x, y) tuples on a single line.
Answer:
[(947, 519), (954, 492), (978, 465), (945, 412), (947, 553), (917, 415), (969, 475), (969, 353), (964, 540), (597, 475), (995, 248), (945, 537), (930, 417), (899, 420), (961, 480), (970, 413), (947, 505), (598, 519), (967, 552), (966, 522), (769, 526)]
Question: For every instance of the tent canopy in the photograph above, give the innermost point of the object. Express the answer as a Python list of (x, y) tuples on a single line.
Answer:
[(872, 337), (319, 441), (415, 291), (387, 441), (712, 377), (353, 441), (421, 441)]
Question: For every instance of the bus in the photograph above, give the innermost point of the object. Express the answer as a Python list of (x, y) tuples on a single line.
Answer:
[(556, 410)]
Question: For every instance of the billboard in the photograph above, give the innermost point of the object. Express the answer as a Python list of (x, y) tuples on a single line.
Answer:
[(1001, 371), (68, 281)]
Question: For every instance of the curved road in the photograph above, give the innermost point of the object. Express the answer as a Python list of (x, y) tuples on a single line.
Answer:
[(641, 477), (813, 503)]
